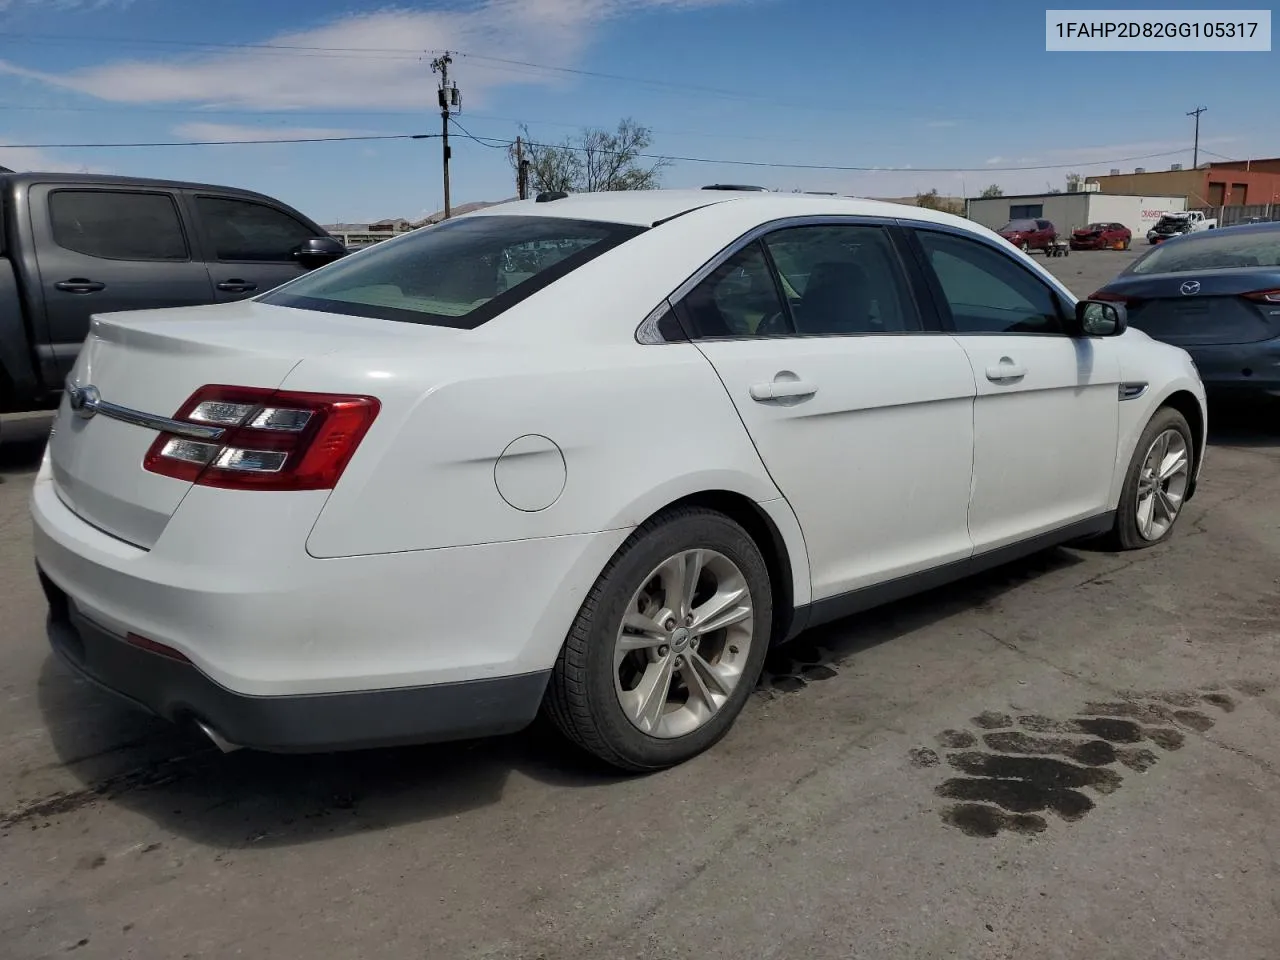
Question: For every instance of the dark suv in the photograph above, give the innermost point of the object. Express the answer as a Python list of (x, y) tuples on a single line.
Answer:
[(1028, 235), (74, 245)]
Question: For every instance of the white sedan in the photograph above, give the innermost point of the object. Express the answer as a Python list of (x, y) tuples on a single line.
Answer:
[(591, 455)]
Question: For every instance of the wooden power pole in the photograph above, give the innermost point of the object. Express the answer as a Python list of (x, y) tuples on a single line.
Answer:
[(450, 102), (1195, 151)]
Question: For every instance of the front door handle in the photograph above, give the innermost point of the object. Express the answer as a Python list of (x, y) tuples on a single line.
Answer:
[(783, 390), (237, 286), (1006, 371), (80, 285)]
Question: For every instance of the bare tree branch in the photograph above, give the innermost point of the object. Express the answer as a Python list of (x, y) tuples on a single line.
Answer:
[(596, 160)]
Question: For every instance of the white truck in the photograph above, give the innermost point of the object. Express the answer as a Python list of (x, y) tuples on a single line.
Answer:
[(1177, 223)]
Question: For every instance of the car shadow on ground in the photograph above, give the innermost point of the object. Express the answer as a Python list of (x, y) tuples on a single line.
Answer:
[(22, 442), (174, 778), (1244, 423)]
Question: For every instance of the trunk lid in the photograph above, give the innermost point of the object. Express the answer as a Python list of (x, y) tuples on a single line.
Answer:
[(1216, 313), (152, 361)]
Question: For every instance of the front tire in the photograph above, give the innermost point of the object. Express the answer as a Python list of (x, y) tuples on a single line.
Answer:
[(1156, 484), (667, 646)]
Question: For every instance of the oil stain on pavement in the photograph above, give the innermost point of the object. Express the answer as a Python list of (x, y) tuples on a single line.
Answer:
[(1033, 765)]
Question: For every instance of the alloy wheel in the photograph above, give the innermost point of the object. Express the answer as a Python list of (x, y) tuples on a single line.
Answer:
[(1162, 484), (683, 643)]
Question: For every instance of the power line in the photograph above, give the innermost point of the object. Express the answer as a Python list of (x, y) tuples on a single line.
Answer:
[(212, 143), (397, 54), (687, 87), (353, 53), (498, 143)]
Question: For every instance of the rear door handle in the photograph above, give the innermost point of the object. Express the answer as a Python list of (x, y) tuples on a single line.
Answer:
[(1006, 371), (782, 390), (237, 286), (80, 285)]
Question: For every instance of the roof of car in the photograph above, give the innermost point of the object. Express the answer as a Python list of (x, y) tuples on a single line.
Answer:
[(107, 179), (648, 207)]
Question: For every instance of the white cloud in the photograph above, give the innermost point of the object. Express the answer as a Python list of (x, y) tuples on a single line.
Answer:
[(231, 131), (1105, 153), (62, 4), (23, 159), (994, 160), (392, 69)]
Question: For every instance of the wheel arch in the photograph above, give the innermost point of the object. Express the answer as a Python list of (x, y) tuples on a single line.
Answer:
[(1187, 404), (765, 531)]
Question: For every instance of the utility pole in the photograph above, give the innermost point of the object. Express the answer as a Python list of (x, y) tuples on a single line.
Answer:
[(1195, 154), (522, 171), (450, 101)]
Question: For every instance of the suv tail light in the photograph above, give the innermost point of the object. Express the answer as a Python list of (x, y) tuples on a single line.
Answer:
[(1264, 296), (273, 439)]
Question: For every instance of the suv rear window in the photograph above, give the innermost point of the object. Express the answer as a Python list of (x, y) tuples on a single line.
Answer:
[(457, 274)]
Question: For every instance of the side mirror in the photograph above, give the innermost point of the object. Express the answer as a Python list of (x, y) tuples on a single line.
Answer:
[(1101, 318), (317, 251)]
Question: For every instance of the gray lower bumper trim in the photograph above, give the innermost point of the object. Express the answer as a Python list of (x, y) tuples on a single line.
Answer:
[(308, 723)]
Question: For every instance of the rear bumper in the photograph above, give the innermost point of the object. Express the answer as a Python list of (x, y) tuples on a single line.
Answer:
[(179, 692), (1239, 368), (287, 652)]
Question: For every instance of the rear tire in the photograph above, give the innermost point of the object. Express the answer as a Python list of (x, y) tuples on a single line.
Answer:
[(669, 683), (1156, 484)]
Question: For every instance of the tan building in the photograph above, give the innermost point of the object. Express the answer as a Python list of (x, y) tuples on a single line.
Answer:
[(1233, 183)]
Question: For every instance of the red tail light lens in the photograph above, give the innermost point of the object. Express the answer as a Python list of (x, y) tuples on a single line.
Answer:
[(1264, 296), (273, 439)]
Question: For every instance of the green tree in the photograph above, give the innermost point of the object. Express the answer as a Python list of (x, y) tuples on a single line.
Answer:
[(992, 191), (594, 160)]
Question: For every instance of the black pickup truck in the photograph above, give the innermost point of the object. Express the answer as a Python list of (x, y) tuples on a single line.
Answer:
[(72, 245)]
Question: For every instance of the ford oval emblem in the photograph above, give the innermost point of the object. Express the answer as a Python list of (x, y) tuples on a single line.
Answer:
[(1190, 288), (83, 400)]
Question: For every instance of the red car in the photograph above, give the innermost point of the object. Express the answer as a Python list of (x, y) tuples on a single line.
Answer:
[(1101, 236), (1028, 235)]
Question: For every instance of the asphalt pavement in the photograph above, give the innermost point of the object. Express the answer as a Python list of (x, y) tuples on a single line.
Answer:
[(1134, 698)]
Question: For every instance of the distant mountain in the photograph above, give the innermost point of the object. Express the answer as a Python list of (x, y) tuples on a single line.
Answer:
[(462, 208)]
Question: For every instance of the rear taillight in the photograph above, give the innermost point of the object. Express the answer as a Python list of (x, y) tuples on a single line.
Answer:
[(273, 439), (1264, 296)]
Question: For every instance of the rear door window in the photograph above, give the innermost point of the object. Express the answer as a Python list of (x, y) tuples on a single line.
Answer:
[(460, 273), (117, 225), (842, 279)]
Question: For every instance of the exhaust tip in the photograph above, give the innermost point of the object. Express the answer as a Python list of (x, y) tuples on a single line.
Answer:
[(226, 746)]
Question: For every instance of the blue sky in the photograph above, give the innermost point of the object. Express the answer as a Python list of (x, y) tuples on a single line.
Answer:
[(905, 84)]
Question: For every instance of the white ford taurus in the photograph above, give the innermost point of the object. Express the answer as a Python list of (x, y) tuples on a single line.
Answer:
[(588, 454)]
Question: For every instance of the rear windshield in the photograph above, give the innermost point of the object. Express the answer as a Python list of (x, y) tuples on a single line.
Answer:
[(457, 274), (1213, 250), (1018, 225)]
